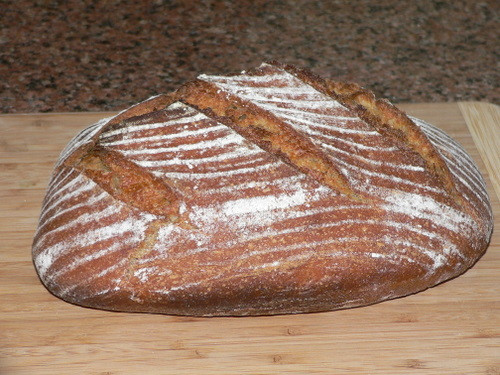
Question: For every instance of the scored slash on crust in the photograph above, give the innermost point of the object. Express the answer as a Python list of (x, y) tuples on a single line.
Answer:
[(128, 182)]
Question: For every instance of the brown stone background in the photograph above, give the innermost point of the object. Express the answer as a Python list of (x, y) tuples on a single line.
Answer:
[(58, 56)]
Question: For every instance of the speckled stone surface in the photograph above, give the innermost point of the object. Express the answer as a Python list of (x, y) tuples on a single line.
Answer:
[(58, 56)]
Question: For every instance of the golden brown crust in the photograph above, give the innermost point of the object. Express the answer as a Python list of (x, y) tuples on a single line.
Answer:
[(209, 202)]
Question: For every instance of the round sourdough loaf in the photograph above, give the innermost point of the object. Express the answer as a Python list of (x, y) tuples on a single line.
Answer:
[(269, 192)]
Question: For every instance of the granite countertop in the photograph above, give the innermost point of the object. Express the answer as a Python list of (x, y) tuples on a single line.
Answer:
[(59, 56)]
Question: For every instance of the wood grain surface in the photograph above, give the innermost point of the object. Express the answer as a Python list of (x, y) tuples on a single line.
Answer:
[(453, 328)]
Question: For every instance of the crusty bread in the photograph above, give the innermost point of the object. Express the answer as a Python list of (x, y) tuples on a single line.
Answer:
[(269, 192)]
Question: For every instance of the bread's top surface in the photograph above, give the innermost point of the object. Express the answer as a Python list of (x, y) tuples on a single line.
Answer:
[(268, 183)]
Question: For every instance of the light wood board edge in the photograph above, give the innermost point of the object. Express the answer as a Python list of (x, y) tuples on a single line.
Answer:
[(483, 121)]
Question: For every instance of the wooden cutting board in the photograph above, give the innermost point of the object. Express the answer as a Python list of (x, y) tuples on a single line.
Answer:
[(453, 328)]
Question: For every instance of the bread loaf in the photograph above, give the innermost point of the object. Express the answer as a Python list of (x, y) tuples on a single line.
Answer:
[(269, 192)]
